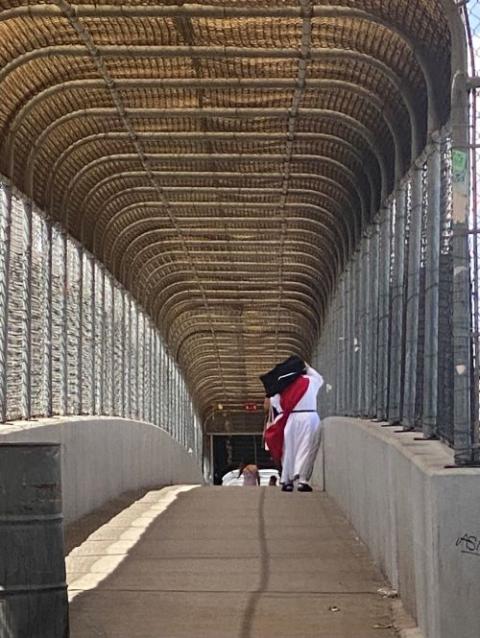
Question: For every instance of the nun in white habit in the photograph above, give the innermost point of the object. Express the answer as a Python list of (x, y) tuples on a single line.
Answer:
[(302, 433)]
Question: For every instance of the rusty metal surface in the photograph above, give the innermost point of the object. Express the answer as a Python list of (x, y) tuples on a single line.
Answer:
[(33, 591)]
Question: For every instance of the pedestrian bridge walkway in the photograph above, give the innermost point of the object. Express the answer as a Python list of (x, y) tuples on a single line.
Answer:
[(218, 562)]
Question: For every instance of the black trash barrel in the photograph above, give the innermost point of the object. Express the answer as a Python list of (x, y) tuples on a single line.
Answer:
[(33, 593)]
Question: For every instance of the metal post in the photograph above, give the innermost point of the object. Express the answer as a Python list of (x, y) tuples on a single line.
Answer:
[(351, 336), (366, 324), (158, 372), (344, 344), (132, 361), (113, 398), (163, 395), (79, 403), (373, 276), (26, 399), (47, 339), (337, 348), (465, 425), (397, 288), (5, 232), (137, 363), (64, 385), (359, 343), (151, 373), (348, 317), (168, 414), (149, 369), (123, 358), (432, 278), (102, 333), (413, 298), (155, 379), (129, 357), (384, 314), (93, 343), (143, 371)]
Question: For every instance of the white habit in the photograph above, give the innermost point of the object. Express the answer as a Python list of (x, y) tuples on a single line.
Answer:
[(302, 434)]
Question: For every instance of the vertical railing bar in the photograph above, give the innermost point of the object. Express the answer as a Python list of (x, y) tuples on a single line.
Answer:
[(26, 382), (148, 370), (413, 298), (366, 323), (128, 366), (47, 340), (373, 276), (464, 214), (396, 332), (154, 359), (79, 406), (143, 372), (113, 408), (344, 382), (432, 273), (64, 385), (338, 342), (152, 372), (384, 312), (356, 339), (5, 242), (93, 343), (123, 358), (348, 318), (102, 332), (137, 361)]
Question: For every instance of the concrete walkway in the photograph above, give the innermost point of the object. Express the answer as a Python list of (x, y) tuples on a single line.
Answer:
[(226, 563)]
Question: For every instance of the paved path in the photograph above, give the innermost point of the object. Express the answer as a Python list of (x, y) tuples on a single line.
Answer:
[(226, 563)]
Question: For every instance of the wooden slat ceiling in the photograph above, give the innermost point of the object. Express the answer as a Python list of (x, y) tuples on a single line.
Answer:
[(221, 158)]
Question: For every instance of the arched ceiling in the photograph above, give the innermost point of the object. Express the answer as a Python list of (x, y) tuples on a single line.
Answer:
[(221, 157)]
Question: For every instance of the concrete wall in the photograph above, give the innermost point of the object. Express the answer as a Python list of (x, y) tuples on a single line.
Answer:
[(420, 521), (103, 457)]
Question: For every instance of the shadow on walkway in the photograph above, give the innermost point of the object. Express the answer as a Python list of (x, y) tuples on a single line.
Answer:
[(226, 563)]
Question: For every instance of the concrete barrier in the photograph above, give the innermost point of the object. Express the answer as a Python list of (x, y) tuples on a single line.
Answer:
[(420, 521), (103, 457)]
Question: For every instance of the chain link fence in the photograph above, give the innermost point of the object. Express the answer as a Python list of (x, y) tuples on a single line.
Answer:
[(471, 16), (387, 345), (394, 334), (72, 340)]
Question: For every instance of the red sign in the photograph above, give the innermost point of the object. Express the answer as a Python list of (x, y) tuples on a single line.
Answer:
[(250, 407)]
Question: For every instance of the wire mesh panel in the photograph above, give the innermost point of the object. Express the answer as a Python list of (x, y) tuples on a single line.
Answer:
[(384, 314), (141, 377), (88, 335), (445, 314), (107, 345), (39, 313), (397, 295), (420, 380), (74, 326), (133, 362), (471, 15), (98, 297), (58, 291), (118, 346), (404, 269), (17, 284), (76, 342), (147, 393)]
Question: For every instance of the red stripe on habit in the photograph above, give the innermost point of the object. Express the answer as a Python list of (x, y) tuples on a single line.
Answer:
[(288, 400)]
